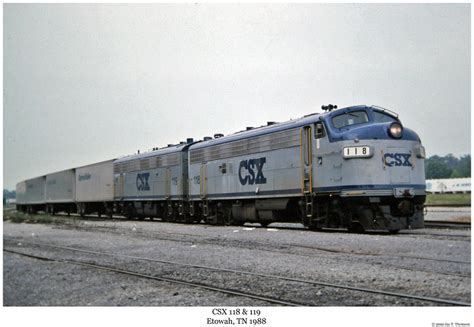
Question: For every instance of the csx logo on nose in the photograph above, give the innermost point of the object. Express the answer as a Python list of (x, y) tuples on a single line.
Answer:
[(397, 159), (142, 182), (247, 171)]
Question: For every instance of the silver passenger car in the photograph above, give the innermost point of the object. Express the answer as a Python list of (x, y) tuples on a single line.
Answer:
[(61, 191), (95, 188), (31, 194)]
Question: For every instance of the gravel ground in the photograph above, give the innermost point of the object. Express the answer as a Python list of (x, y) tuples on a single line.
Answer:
[(428, 262), (448, 213), (34, 282)]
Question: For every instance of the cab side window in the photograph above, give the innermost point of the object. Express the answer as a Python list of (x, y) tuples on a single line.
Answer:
[(380, 117), (319, 131)]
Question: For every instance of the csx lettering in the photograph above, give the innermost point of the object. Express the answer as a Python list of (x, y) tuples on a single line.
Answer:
[(142, 182), (397, 159), (247, 171)]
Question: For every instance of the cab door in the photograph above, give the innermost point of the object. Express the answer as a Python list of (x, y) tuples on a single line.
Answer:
[(306, 160), (119, 184), (203, 181), (168, 183), (328, 162)]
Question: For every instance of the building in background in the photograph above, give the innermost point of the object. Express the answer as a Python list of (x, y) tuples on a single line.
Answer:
[(449, 185)]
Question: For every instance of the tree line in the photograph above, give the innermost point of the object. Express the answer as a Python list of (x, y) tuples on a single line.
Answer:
[(9, 194), (448, 166)]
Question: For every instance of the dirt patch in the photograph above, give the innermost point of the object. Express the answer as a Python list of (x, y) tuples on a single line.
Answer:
[(462, 219)]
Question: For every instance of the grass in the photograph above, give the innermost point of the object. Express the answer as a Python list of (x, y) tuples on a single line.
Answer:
[(41, 218), (448, 199)]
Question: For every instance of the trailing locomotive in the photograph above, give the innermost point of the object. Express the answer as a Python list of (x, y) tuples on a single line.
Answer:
[(153, 184), (356, 168)]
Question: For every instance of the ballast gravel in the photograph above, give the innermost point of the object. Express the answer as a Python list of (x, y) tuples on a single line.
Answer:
[(429, 262)]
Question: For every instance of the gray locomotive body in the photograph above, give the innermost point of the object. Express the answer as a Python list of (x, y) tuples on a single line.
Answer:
[(342, 168), (368, 172), (356, 168), (251, 176), (152, 184)]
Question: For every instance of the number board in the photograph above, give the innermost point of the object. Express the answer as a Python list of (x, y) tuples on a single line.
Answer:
[(356, 152)]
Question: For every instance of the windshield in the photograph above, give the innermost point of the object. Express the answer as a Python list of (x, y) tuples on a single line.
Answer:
[(380, 117), (350, 118)]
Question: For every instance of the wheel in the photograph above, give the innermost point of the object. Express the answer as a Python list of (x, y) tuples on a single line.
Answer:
[(109, 212), (130, 212), (81, 210), (228, 219), (170, 217), (356, 228)]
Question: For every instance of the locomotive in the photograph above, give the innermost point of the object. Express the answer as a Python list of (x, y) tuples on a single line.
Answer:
[(356, 168)]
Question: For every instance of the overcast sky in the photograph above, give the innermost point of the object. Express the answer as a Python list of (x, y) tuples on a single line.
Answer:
[(85, 83)]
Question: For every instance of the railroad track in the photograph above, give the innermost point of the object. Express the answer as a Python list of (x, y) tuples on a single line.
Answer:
[(447, 224), (280, 247), (283, 247), (163, 279), (435, 236), (222, 290), (428, 224)]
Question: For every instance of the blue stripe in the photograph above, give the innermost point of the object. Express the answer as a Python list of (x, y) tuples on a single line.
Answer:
[(261, 193), (370, 187), (284, 192), (317, 189), (147, 197)]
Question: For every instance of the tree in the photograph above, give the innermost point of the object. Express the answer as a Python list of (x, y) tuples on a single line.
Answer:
[(448, 166), (9, 194), (450, 161), (464, 166), (435, 168)]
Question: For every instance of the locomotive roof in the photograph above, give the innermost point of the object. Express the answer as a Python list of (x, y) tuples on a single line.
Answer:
[(299, 122), (95, 163), (159, 152)]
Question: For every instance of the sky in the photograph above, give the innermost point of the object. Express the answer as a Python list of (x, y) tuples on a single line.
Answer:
[(84, 83)]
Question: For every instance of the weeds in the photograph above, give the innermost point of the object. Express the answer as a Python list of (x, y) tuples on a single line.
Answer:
[(449, 199), (41, 218)]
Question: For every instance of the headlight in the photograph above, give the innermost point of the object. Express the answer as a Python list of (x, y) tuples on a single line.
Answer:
[(395, 130)]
